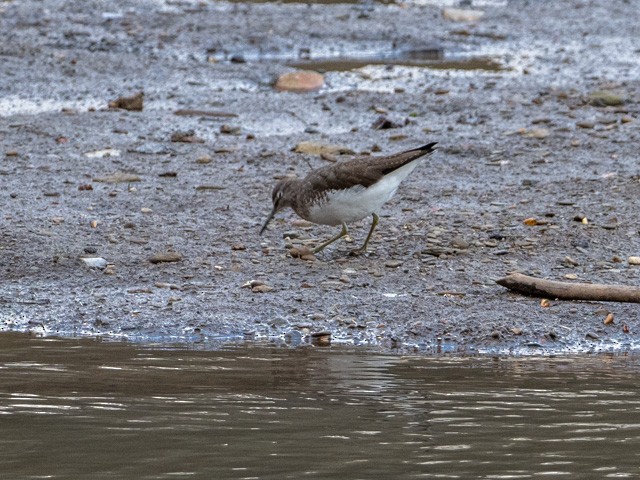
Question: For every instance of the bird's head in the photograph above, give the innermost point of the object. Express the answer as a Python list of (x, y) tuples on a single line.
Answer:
[(281, 196)]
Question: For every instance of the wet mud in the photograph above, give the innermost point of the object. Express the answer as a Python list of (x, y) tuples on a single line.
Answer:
[(143, 224)]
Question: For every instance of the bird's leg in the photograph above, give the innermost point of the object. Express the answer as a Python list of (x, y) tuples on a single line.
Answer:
[(363, 248), (342, 233)]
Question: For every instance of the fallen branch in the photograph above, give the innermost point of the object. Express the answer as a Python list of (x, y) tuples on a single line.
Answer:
[(539, 287)]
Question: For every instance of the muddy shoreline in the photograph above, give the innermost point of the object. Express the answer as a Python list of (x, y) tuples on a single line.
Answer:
[(551, 135)]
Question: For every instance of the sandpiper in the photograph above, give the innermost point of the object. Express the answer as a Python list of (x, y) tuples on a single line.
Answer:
[(347, 191)]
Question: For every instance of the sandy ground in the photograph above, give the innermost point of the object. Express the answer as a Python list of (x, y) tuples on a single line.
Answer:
[(528, 140)]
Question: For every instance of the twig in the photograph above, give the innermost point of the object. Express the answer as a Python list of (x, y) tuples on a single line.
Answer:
[(539, 287)]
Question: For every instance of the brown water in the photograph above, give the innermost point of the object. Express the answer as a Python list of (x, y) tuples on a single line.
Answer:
[(89, 409)]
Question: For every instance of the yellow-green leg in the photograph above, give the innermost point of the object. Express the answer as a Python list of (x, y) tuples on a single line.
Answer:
[(342, 233), (363, 248)]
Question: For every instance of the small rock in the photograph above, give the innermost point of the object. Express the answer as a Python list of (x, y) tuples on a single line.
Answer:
[(165, 257), (607, 120), (592, 336), (293, 337), (118, 178), (384, 123), (188, 136), (90, 250), (393, 263), (539, 133), (300, 82), (459, 242), (133, 103), (585, 124), (238, 246), (603, 98), (107, 152), (110, 269), (297, 252), (570, 261), (230, 130), (315, 148), (261, 289), (203, 159), (634, 260), (321, 338), (462, 15), (608, 320), (516, 331), (95, 262), (146, 210), (544, 303)]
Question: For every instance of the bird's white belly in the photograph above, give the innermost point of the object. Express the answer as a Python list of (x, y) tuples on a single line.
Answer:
[(355, 203)]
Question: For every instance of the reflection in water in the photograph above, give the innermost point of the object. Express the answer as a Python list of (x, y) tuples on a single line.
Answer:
[(91, 409)]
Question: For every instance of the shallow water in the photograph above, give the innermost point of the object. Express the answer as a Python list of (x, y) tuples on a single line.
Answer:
[(92, 409)]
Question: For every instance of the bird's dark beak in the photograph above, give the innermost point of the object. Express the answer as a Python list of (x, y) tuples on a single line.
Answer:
[(264, 226)]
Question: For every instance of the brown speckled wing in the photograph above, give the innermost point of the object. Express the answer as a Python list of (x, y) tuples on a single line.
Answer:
[(364, 171)]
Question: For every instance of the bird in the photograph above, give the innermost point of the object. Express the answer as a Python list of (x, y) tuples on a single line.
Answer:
[(346, 192)]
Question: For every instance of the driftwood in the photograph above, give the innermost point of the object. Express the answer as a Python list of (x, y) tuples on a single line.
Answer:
[(539, 287)]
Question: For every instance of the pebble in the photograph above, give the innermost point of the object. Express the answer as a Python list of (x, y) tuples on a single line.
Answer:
[(585, 124), (603, 98), (299, 82), (385, 123), (165, 257), (293, 337), (95, 262), (462, 14), (570, 261), (107, 152), (316, 148), (118, 178), (608, 320), (516, 331), (188, 136), (134, 103), (393, 263), (607, 120), (538, 133), (321, 338), (634, 260), (230, 130), (592, 335), (261, 289), (459, 242)]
